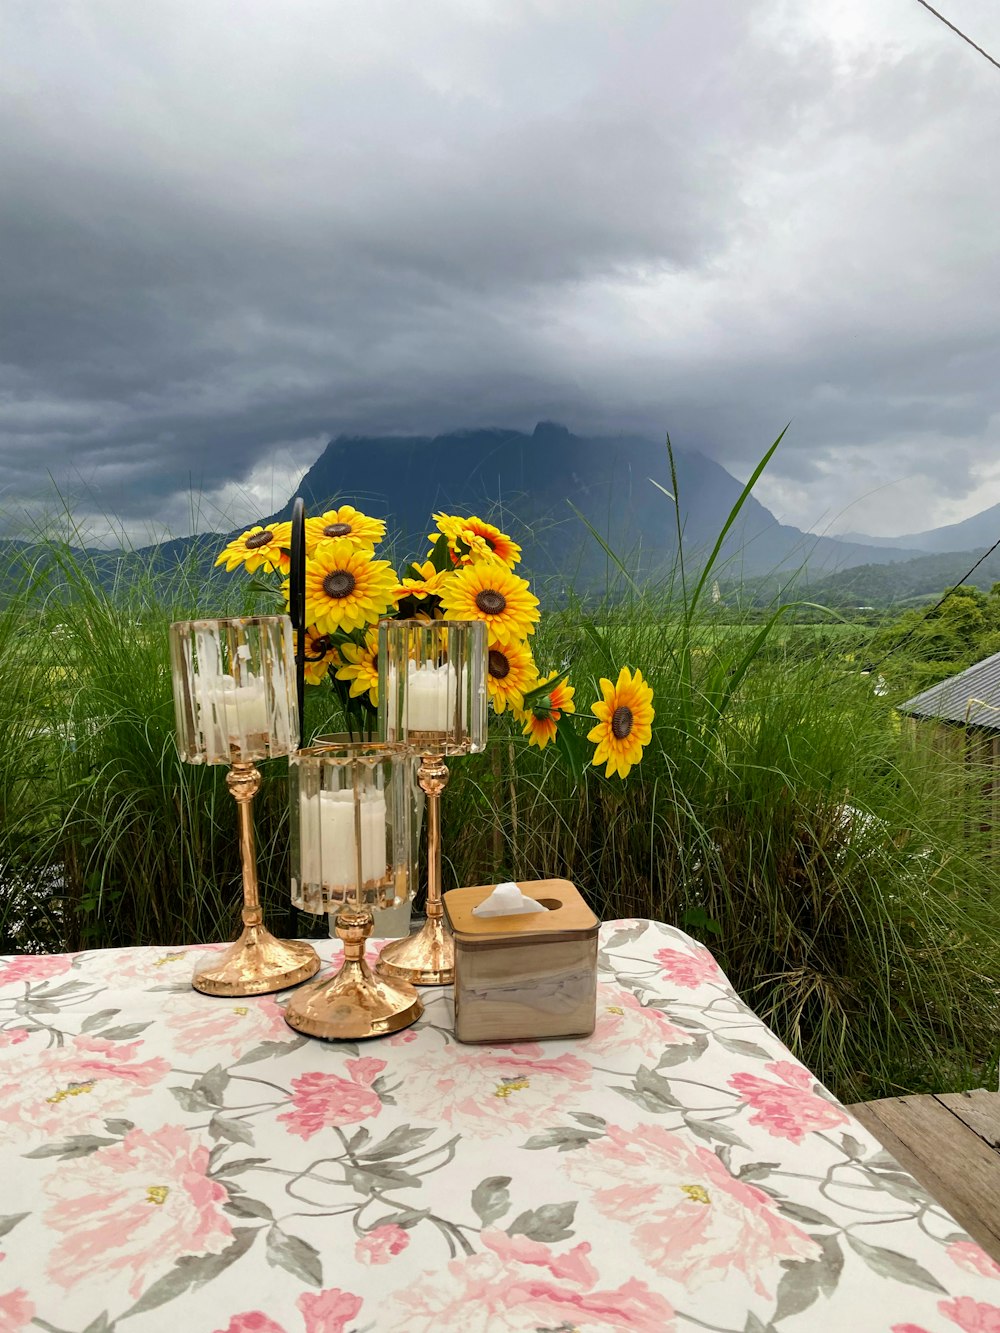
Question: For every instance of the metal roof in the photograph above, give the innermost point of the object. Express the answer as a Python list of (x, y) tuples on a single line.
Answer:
[(972, 697)]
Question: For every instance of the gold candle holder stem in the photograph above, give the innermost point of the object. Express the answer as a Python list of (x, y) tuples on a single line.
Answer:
[(258, 962), (243, 781), (427, 958), (354, 1003)]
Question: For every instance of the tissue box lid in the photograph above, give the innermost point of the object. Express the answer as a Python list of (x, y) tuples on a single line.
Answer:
[(568, 916)]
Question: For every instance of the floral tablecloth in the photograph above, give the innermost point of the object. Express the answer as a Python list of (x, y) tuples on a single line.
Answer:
[(171, 1161)]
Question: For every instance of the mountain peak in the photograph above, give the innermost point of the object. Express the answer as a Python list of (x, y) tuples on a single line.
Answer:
[(550, 430)]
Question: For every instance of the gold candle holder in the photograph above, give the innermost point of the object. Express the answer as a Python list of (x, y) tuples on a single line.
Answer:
[(350, 813), (432, 699), (234, 703)]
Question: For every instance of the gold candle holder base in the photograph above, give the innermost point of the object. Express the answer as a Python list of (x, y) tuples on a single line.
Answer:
[(427, 958), (424, 959), (355, 1003), (257, 964)]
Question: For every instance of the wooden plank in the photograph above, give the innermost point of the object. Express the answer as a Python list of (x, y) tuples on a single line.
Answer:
[(980, 1110), (946, 1157)]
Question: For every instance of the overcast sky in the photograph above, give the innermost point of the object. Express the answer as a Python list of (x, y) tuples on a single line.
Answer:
[(233, 230)]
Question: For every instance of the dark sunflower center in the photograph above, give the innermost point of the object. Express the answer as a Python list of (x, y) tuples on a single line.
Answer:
[(499, 665), (341, 583), (491, 602), (259, 539), (321, 646), (337, 530), (621, 722)]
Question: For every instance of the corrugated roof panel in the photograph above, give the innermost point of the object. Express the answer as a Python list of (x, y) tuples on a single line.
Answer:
[(971, 697)]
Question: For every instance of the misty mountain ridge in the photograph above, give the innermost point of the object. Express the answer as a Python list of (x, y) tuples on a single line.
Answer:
[(553, 491), (977, 532)]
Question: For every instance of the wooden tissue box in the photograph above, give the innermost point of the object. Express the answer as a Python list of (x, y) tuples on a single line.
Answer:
[(524, 977)]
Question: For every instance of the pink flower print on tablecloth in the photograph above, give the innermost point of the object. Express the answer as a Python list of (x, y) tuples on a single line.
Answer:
[(223, 1030), (381, 1244), (327, 1311), (73, 1088), (13, 1036), (968, 1255), (16, 1311), (253, 1321), (689, 968), (134, 1208), (972, 1316), (486, 1090), (689, 1218), (33, 967), (789, 1109), (624, 1024), (322, 1101), (519, 1285)]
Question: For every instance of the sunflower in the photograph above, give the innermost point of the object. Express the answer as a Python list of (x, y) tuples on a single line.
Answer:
[(362, 666), (510, 671), (542, 712), (624, 726), (346, 587), (259, 548), (320, 653), (489, 591), (471, 539), (428, 582), (344, 522)]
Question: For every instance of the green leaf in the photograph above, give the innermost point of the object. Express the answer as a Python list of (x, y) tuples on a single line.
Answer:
[(295, 1256), (98, 1020), (268, 1050), (440, 556), (230, 1129), (736, 1046), (244, 1206), (212, 1085), (800, 1213), (626, 935), (193, 1271), (119, 1127), (190, 1100), (798, 1288), (240, 1164), (124, 1033), (572, 747), (401, 1141), (715, 1131), (551, 1222), (100, 1325), (491, 1198), (893, 1265), (591, 1121), (9, 1222), (564, 1137), (77, 1145)]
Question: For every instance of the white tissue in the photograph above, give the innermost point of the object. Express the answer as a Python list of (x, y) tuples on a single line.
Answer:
[(507, 900)]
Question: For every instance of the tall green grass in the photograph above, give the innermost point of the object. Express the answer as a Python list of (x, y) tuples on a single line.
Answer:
[(836, 865)]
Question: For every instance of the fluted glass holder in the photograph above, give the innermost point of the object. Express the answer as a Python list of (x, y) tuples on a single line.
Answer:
[(350, 816), (432, 699), (234, 703)]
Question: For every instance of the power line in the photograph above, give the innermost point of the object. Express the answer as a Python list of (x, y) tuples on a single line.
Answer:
[(959, 32)]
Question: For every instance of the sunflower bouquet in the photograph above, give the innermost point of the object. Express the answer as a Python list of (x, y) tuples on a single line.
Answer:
[(467, 573)]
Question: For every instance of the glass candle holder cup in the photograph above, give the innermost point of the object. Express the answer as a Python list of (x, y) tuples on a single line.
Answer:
[(235, 704), (432, 699), (350, 820)]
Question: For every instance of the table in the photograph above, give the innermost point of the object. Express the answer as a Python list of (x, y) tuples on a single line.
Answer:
[(173, 1161)]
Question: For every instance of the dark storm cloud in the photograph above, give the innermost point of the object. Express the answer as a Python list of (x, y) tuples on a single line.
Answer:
[(227, 236)]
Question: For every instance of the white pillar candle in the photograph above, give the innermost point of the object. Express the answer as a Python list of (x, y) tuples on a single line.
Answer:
[(231, 714), (431, 693), (328, 842)]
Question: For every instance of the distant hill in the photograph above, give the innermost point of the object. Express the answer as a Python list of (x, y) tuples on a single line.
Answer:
[(531, 483), (978, 532), (924, 577)]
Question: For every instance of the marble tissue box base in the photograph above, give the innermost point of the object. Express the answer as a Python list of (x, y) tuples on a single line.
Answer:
[(528, 976)]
